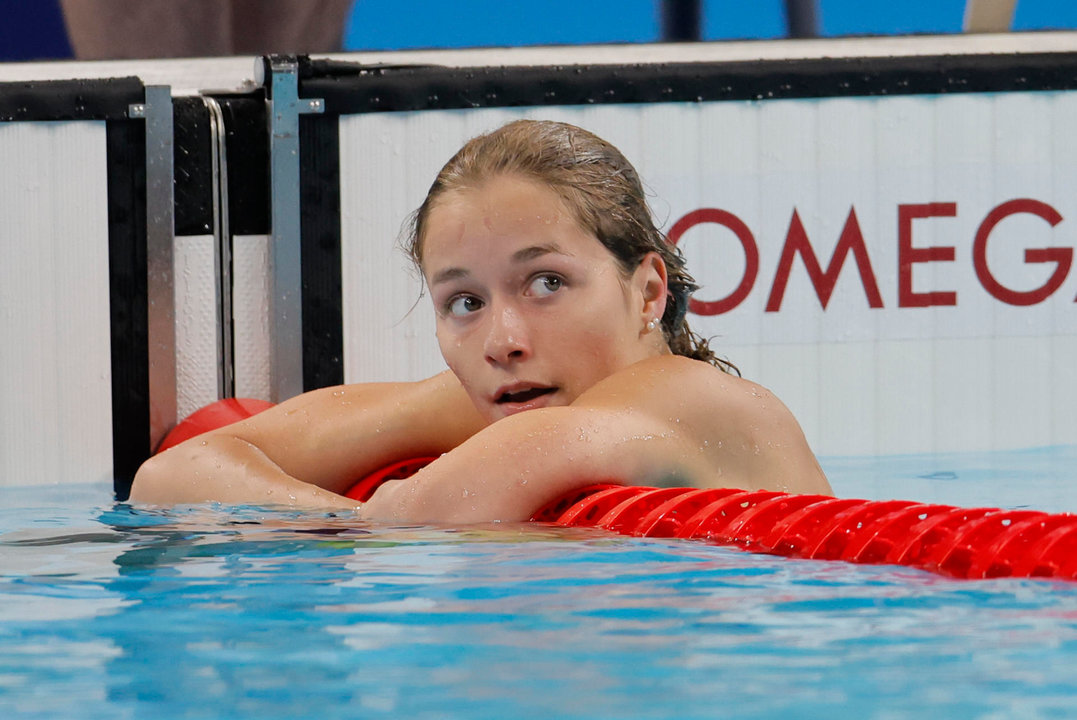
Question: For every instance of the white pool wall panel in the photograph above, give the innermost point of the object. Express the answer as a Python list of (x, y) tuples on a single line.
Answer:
[(197, 325), (977, 375), (250, 315), (388, 324), (55, 358)]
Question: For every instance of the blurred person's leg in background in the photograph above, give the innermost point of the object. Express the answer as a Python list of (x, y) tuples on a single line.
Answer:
[(260, 27), (107, 29), (104, 29)]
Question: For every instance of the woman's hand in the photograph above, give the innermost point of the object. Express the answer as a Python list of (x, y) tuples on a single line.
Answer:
[(307, 451)]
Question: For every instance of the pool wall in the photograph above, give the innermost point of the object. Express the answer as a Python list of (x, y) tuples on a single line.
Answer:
[(880, 228)]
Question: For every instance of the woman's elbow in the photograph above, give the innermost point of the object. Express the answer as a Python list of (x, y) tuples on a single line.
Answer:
[(177, 475), (423, 499), (150, 485)]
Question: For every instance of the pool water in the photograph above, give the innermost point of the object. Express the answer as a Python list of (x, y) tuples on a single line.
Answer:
[(208, 612)]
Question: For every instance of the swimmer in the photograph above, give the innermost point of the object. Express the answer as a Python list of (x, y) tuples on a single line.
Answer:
[(560, 312)]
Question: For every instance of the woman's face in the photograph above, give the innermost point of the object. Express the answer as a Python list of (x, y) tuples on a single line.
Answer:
[(532, 310)]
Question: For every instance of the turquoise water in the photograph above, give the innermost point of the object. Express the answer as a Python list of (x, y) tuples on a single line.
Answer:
[(110, 612)]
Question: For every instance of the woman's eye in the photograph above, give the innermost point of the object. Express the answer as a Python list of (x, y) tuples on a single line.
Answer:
[(544, 285), (463, 305)]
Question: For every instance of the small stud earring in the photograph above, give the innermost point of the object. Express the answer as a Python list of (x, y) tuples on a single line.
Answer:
[(651, 325)]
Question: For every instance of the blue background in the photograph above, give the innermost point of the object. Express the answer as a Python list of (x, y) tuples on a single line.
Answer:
[(399, 24)]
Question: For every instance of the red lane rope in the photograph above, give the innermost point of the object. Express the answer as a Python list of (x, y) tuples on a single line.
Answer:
[(954, 541), (212, 416), (363, 489)]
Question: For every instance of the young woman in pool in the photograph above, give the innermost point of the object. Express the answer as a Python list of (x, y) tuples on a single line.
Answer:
[(561, 315)]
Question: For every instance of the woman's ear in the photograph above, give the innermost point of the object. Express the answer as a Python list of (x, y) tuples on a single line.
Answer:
[(651, 281)]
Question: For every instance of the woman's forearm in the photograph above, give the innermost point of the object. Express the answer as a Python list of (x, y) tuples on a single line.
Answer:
[(310, 448), (219, 467), (517, 465)]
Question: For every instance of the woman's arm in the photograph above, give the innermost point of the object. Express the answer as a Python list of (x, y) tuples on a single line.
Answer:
[(512, 468), (665, 421), (307, 450)]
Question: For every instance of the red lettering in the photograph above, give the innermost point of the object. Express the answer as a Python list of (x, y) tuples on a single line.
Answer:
[(907, 254), (851, 240), (1062, 257), (751, 257)]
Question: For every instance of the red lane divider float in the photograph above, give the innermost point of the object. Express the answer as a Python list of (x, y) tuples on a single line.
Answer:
[(954, 541), (212, 416), (363, 489)]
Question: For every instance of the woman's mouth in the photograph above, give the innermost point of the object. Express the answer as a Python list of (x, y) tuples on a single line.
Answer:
[(523, 395)]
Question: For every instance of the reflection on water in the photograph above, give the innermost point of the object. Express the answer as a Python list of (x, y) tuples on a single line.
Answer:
[(213, 612)]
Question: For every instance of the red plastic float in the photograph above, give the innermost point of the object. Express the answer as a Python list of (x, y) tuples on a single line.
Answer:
[(363, 489), (212, 416), (954, 541)]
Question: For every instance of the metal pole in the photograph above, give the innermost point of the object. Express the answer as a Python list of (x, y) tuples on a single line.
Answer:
[(222, 252), (682, 20), (286, 296), (802, 18), (982, 16), (160, 261)]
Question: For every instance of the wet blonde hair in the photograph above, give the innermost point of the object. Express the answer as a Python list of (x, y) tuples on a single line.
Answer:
[(598, 185)]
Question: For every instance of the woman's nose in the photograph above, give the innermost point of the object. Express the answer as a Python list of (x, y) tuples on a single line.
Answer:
[(506, 337)]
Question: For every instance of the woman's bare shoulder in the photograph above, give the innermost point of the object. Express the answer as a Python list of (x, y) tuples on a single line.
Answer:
[(738, 428), (677, 384), (693, 398)]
